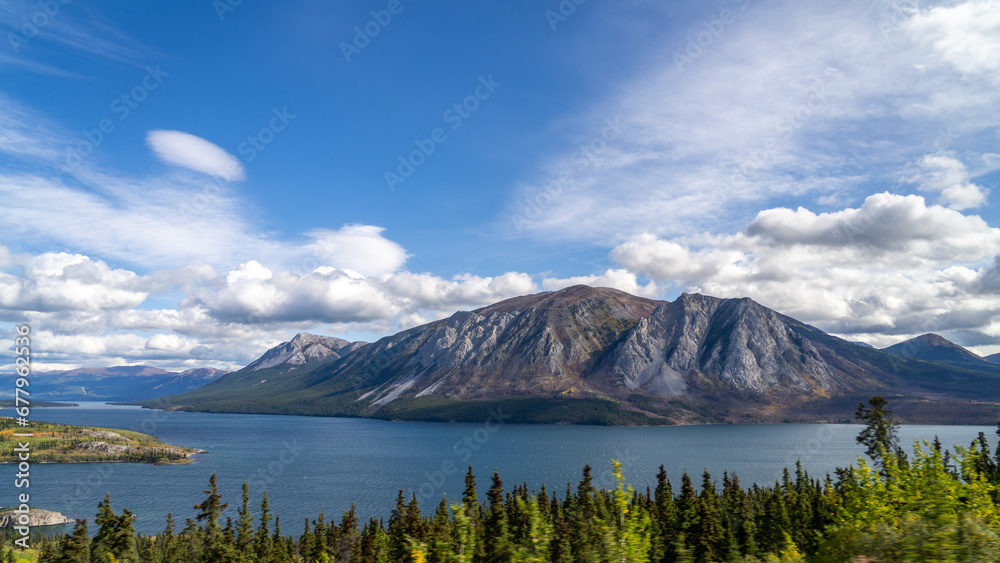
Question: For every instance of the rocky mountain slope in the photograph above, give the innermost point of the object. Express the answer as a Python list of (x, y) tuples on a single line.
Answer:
[(303, 349), (600, 355)]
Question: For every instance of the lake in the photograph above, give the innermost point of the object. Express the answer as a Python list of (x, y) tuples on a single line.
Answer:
[(314, 464)]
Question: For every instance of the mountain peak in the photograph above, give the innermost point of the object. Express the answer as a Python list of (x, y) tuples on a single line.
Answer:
[(304, 348), (935, 348)]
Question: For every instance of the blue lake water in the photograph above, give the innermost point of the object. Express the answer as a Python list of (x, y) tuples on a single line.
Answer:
[(314, 464)]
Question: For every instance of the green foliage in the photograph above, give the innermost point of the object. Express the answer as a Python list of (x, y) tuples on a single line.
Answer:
[(920, 511)]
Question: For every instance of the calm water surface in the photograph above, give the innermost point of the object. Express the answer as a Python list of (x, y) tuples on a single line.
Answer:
[(313, 464)]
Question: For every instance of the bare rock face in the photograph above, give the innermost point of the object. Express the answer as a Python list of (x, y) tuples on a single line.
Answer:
[(733, 342), (102, 448), (304, 348), (533, 345), (36, 517)]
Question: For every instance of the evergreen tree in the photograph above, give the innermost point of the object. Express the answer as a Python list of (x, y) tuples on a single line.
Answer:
[(776, 524), (217, 549), (263, 546), (585, 540), (495, 530), (665, 515), (348, 534), (75, 547), (687, 519), (398, 543), (470, 500), (115, 536), (244, 528), (880, 432), (709, 533)]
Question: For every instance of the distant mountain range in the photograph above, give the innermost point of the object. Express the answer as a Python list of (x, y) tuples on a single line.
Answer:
[(122, 383), (602, 356)]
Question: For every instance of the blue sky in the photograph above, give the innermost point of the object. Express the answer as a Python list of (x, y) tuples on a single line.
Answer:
[(833, 160)]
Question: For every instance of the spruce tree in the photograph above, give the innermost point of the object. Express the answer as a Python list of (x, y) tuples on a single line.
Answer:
[(665, 515), (879, 435), (687, 519), (217, 549), (263, 545), (470, 500), (75, 547), (244, 528), (709, 539), (495, 530), (398, 545), (584, 524)]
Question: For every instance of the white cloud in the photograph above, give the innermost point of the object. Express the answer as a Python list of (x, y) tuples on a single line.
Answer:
[(617, 279), (948, 176), (186, 150), (360, 248), (966, 35), (255, 294), (465, 291), (893, 266), (829, 102), (70, 282)]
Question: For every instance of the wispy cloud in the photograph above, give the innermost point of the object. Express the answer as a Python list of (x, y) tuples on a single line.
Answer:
[(808, 100), (35, 27)]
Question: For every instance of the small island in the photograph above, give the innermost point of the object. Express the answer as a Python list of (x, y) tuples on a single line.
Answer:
[(37, 518), (63, 443)]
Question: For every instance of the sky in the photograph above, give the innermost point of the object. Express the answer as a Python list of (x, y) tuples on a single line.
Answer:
[(186, 184)]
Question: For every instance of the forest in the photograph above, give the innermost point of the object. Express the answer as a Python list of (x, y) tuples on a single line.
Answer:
[(929, 504)]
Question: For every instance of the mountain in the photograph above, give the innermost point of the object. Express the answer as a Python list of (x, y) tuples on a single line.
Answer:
[(303, 349), (603, 356), (995, 358), (121, 383), (933, 348)]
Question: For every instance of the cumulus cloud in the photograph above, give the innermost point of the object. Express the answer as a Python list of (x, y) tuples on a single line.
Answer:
[(85, 312), (253, 293), (188, 151), (949, 176), (892, 267), (966, 35), (70, 282)]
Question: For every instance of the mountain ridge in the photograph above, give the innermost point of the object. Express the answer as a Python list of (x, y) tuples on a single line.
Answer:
[(118, 383), (621, 358)]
